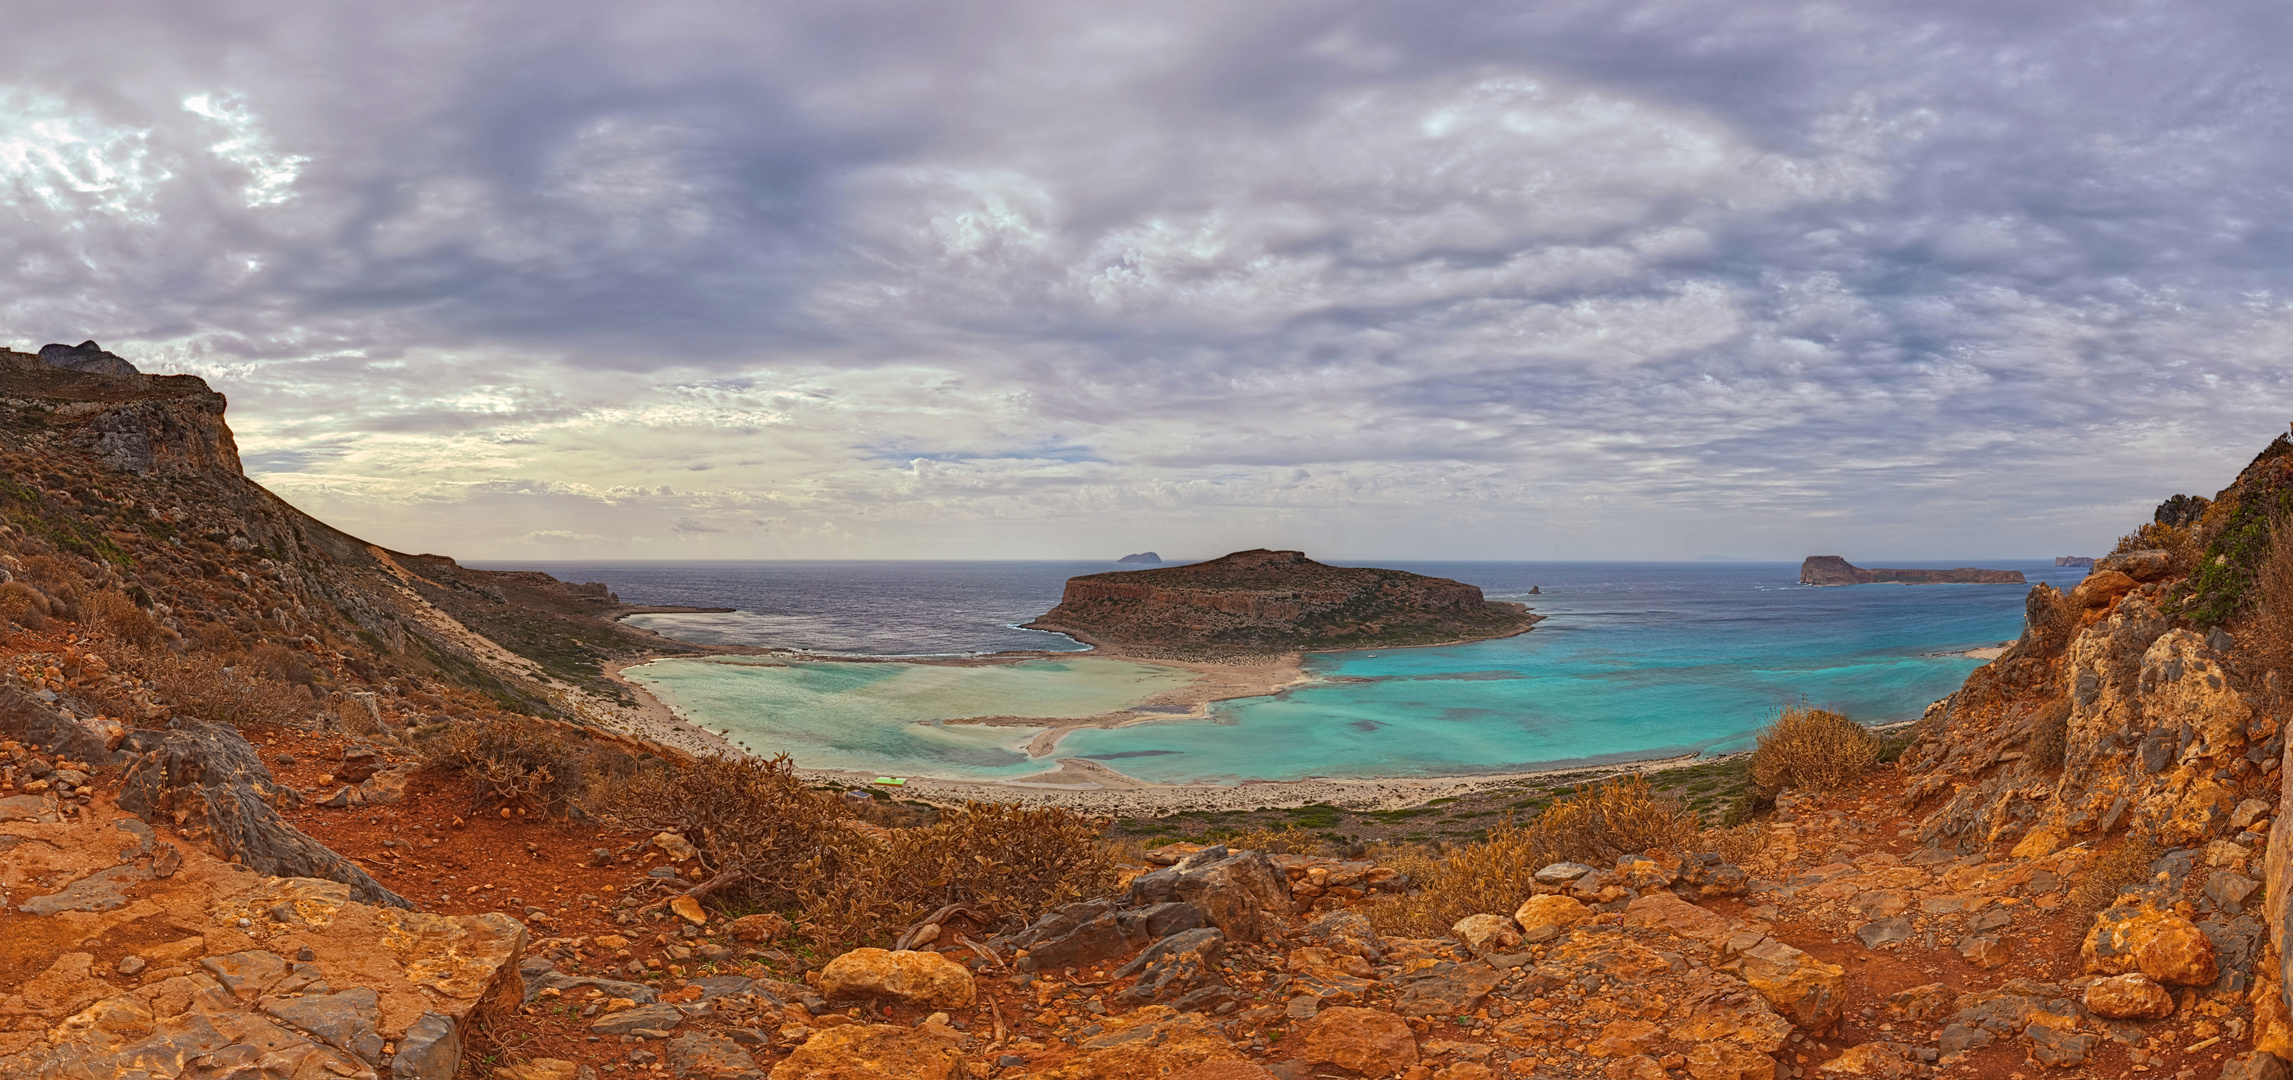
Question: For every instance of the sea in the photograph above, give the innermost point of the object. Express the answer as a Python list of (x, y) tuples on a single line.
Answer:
[(1633, 661)]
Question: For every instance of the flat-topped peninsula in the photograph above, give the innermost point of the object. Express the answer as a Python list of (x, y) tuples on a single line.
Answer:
[(1257, 603), (1833, 570)]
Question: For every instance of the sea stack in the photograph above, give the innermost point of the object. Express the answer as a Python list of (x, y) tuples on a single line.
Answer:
[(1834, 570), (1147, 557), (1260, 602)]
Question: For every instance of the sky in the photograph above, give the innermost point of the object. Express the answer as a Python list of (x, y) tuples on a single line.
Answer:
[(1608, 279)]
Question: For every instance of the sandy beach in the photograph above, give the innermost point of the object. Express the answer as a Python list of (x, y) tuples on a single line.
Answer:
[(1212, 683)]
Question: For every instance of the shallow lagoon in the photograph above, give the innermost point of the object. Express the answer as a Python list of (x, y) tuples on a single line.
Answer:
[(1638, 660)]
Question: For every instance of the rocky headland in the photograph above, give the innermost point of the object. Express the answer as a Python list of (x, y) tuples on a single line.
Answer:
[(1259, 603), (1833, 570)]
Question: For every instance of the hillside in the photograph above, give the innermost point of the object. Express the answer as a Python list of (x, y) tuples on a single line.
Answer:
[(134, 482), (1833, 570), (1259, 601)]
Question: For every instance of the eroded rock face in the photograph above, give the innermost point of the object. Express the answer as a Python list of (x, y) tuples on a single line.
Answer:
[(2161, 945), (384, 992), (1555, 911), (877, 1052), (2131, 996), (921, 978), (1363, 1041), (1146, 1042), (209, 774), (1232, 890), (1804, 989)]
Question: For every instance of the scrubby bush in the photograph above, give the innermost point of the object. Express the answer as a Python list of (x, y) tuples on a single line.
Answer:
[(23, 605), (768, 841), (512, 762), (206, 688), (1813, 750), (2267, 635), (2125, 863), (1594, 825), (118, 617), (2179, 542)]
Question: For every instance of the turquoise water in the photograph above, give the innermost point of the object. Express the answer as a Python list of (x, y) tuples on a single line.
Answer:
[(884, 716), (1635, 661)]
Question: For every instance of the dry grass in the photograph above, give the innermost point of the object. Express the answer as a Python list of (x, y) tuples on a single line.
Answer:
[(2125, 863), (512, 762), (767, 841), (2267, 636), (1290, 839), (23, 605), (1593, 825), (118, 617), (1813, 750), (2180, 544), (207, 688)]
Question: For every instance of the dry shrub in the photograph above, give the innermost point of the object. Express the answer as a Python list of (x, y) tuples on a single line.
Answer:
[(1812, 749), (1006, 862), (1594, 825), (1742, 844), (120, 619), (2125, 863), (284, 664), (206, 688), (59, 581), (768, 841), (2268, 632), (216, 639), (23, 605), (2177, 541), (513, 762), (1290, 839), (2050, 734)]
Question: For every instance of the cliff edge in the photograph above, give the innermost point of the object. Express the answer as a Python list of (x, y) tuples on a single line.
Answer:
[(1833, 570), (1259, 601)]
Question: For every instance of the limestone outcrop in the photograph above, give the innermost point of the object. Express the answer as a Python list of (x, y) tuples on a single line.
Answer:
[(1834, 570), (1260, 601)]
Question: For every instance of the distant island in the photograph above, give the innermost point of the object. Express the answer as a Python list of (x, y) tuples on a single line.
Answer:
[(2086, 561), (1833, 570), (1147, 557), (1259, 602)]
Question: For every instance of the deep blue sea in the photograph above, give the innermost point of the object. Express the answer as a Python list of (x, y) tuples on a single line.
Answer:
[(1635, 660)]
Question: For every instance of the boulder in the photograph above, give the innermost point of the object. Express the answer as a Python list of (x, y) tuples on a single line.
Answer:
[(2256, 1065), (2100, 588), (1665, 911), (1367, 1042), (2141, 937), (1985, 951), (1347, 932), (1804, 989), (205, 772), (1560, 912), (1173, 966), (1875, 1061), (1232, 889), (1447, 989), (1720, 1061), (2060, 1045), (1931, 1001), (699, 1055), (2145, 564), (1151, 1041), (1487, 933), (917, 978), (642, 1018), (1561, 873), (2129, 997), (876, 1052)]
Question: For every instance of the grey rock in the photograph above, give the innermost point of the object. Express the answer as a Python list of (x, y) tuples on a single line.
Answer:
[(1303, 1007), (1959, 1038), (2229, 890), (129, 965), (1159, 921), (87, 358), (1884, 931), (209, 771), (431, 1049), (711, 1056), (1988, 920), (345, 1020), (1561, 873), (1448, 989), (247, 974), (27, 808), (654, 1017), (1231, 889), (1173, 966), (2058, 1047), (539, 975), (2256, 1065), (103, 890)]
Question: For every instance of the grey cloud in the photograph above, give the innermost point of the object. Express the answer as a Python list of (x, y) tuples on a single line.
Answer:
[(1867, 266)]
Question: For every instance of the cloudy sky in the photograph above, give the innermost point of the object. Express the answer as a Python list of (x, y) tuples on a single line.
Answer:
[(1599, 279)]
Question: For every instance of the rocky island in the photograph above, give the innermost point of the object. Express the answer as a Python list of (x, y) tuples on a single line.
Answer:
[(1833, 570), (1260, 602)]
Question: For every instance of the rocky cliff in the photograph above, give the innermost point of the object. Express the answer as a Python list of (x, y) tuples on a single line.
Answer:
[(132, 483), (1833, 570), (1259, 601)]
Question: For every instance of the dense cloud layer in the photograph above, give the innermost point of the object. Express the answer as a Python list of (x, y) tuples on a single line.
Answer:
[(1591, 279)]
